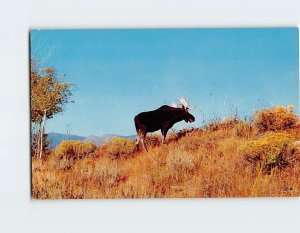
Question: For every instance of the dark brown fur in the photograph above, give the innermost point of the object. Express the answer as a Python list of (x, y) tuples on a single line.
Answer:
[(162, 119)]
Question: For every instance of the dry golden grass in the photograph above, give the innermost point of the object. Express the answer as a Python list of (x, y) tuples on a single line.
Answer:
[(203, 162)]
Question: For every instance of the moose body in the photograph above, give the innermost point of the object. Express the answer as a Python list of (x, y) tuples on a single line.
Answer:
[(162, 119)]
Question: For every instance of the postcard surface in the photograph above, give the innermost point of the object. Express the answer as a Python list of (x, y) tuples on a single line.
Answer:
[(165, 113)]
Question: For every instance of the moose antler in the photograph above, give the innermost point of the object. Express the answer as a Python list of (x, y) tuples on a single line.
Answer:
[(184, 102), (192, 107)]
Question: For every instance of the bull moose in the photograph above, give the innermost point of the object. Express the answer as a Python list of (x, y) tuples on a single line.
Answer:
[(162, 119)]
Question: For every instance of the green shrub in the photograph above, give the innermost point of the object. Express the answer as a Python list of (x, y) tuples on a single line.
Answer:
[(74, 149), (119, 147), (275, 119), (68, 152), (242, 129), (270, 151)]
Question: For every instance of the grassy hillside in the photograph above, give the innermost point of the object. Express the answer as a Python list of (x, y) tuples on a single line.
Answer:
[(230, 158)]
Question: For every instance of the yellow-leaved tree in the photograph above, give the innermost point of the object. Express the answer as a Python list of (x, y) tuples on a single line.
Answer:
[(49, 94)]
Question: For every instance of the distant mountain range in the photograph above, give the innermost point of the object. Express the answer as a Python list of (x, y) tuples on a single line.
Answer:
[(56, 138)]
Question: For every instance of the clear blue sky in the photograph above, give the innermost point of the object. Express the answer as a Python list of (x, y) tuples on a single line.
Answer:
[(119, 73)]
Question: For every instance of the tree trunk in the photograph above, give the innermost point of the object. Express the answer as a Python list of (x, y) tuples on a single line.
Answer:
[(37, 140), (41, 135)]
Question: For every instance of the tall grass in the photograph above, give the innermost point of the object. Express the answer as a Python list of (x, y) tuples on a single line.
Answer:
[(203, 162)]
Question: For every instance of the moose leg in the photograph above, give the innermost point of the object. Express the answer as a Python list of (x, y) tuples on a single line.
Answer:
[(164, 134), (162, 137), (142, 139), (137, 143)]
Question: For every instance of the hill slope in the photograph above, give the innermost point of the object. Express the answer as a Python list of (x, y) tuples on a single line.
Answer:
[(200, 163)]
